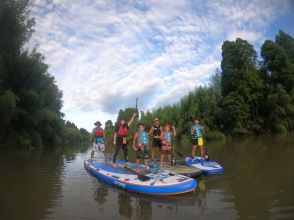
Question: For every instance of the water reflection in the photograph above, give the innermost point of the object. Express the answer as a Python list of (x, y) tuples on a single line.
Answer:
[(29, 183), (201, 195), (125, 207), (52, 184), (101, 194)]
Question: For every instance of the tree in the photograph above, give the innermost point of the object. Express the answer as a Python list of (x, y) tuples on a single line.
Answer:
[(287, 43), (239, 74), (276, 65), (235, 114), (30, 101)]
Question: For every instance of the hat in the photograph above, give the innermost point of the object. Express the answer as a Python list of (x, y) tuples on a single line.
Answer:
[(97, 123)]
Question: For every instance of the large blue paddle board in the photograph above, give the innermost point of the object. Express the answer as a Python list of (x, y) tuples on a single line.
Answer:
[(162, 183)]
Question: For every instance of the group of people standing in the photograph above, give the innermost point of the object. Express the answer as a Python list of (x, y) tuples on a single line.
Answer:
[(161, 135)]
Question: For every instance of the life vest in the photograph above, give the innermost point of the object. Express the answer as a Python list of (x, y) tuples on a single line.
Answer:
[(156, 130), (122, 131), (98, 132), (167, 138), (197, 131), (143, 137)]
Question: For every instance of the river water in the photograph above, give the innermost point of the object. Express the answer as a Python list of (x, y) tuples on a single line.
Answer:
[(258, 183)]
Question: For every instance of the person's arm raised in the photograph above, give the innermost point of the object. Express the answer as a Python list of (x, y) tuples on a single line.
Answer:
[(174, 131), (132, 119)]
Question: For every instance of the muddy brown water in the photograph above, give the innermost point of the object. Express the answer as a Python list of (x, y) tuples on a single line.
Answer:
[(258, 183)]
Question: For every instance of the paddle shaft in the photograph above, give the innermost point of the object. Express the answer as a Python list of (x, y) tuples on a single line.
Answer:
[(140, 176)]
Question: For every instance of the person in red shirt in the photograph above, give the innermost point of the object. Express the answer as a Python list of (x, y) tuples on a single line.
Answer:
[(120, 139), (99, 140)]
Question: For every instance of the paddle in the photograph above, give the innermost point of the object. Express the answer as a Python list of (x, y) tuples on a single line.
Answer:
[(181, 155), (137, 116), (173, 161), (206, 157), (141, 177)]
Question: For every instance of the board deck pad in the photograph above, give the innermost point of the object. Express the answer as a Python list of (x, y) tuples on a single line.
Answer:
[(184, 170)]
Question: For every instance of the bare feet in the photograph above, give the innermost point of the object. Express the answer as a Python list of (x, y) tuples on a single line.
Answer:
[(114, 165)]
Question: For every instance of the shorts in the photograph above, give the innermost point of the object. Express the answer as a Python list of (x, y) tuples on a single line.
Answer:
[(165, 150), (142, 154), (197, 142), (98, 146), (156, 143), (119, 141)]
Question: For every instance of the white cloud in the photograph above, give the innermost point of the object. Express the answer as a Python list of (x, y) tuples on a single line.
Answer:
[(104, 54)]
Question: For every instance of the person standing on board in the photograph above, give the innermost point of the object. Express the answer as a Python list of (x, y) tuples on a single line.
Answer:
[(99, 140), (156, 132), (141, 146), (120, 138), (166, 138), (197, 133)]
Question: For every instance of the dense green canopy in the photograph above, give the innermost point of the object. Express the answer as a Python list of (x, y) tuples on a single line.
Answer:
[(30, 101), (248, 96)]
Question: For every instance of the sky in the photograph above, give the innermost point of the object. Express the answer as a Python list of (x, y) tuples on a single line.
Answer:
[(105, 53)]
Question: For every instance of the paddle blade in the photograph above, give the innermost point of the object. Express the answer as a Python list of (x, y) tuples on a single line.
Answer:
[(143, 178), (206, 157), (173, 162)]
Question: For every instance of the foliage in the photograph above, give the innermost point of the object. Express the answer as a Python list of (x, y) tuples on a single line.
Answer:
[(248, 96), (30, 101)]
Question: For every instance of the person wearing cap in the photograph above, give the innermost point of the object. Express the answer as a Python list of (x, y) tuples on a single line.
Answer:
[(99, 140), (197, 133), (156, 132), (120, 139)]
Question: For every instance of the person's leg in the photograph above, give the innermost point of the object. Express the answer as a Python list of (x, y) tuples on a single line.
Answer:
[(169, 158), (161, 161), (137, 165), (202, 151), (146, 165), (193, 151), (125, 149), (116, 151), (92, 154), (105, 156), (153, 153)]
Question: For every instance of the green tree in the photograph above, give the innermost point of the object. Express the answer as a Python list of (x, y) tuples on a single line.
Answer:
[(30, 100), (287, 43), (240, 76)]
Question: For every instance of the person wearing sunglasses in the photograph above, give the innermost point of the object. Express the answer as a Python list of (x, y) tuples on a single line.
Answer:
[(155, 131)]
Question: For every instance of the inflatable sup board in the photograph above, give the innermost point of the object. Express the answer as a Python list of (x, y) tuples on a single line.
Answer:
[(208, 167), (162, 183)]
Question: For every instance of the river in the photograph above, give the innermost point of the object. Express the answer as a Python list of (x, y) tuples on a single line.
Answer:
[(258, 183)]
